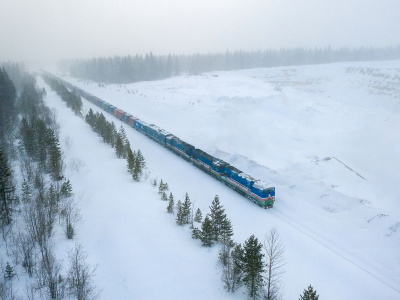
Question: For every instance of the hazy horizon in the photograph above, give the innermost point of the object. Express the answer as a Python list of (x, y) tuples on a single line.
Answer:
[(45, 31)]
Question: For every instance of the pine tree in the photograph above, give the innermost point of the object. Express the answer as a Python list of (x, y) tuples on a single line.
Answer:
[(141, 159), (164, 196), (119, 146), (9, 272), (253, 267), (154, 184), (137, 171), (26, 192), (130, 160), (178, 205), (237, 261), (161, 187), (186, 209), (66, 189), (217, 216), (207, 232), (171, 204), (55, 159), (165, 188), (309, 294), (127, 148), (198, 217), (8, 198), (124, 140), (180, 217), (196, 233), (90, 118), (226, 232)]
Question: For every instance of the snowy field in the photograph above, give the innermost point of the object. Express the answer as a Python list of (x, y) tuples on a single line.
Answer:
[(327, 137)]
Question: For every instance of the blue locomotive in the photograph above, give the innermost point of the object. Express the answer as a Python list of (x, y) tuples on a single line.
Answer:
[(256, 190)]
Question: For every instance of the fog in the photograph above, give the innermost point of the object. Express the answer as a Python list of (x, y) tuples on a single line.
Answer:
[(43, 31)]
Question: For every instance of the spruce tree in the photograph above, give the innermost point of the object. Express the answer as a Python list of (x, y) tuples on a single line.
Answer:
[(196, 233), (198, 217), (171, 204), (9, 272), (70, 232), (161, 187), (165, 188), (130, 160), (56, 163), (207, 232), (178, 205), (164, 196), (253, 267), (154, 184), (119, 146), (90, 118), (226, 232), (66, 189), (217, 216), (8, 198), (26, 192), (124, 140), (237, 261), (186, 209), (141, 159), (309, 294), (137, 171), (127, 148), (180, 217)]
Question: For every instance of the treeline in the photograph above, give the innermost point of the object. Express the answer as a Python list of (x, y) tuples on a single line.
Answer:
[(37, 202), (126, 69), (118, 140), (72, 99)]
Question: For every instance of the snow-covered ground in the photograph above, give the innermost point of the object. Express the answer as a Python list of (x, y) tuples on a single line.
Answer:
[(327, 137)]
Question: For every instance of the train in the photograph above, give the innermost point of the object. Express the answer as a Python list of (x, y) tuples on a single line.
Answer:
[(259, 192)]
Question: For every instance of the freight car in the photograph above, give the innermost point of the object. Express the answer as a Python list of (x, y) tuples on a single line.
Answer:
[(256, 190)]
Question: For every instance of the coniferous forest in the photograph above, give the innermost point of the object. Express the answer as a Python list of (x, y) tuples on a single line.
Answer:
[(127, 69)]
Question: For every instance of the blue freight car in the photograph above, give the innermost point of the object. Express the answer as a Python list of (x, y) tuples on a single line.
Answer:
[(141, 126), (111, 108)]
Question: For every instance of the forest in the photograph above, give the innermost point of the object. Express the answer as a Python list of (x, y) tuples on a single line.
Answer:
[(127, 69)]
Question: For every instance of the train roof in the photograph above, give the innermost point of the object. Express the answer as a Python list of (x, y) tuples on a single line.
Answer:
[(247, 176), (158, 129), (262, 185), (219, 162), (236, 170)]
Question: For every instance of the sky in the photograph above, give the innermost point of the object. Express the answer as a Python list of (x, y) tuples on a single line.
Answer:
[(48, 30)]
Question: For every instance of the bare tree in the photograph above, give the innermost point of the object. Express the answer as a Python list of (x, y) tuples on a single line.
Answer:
[(80, 276), (230, 264), (24, 251), (49, 280), (39, 219), (274, 264)]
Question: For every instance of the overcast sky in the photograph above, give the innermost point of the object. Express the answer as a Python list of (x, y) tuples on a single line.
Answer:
[(46, 30)]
